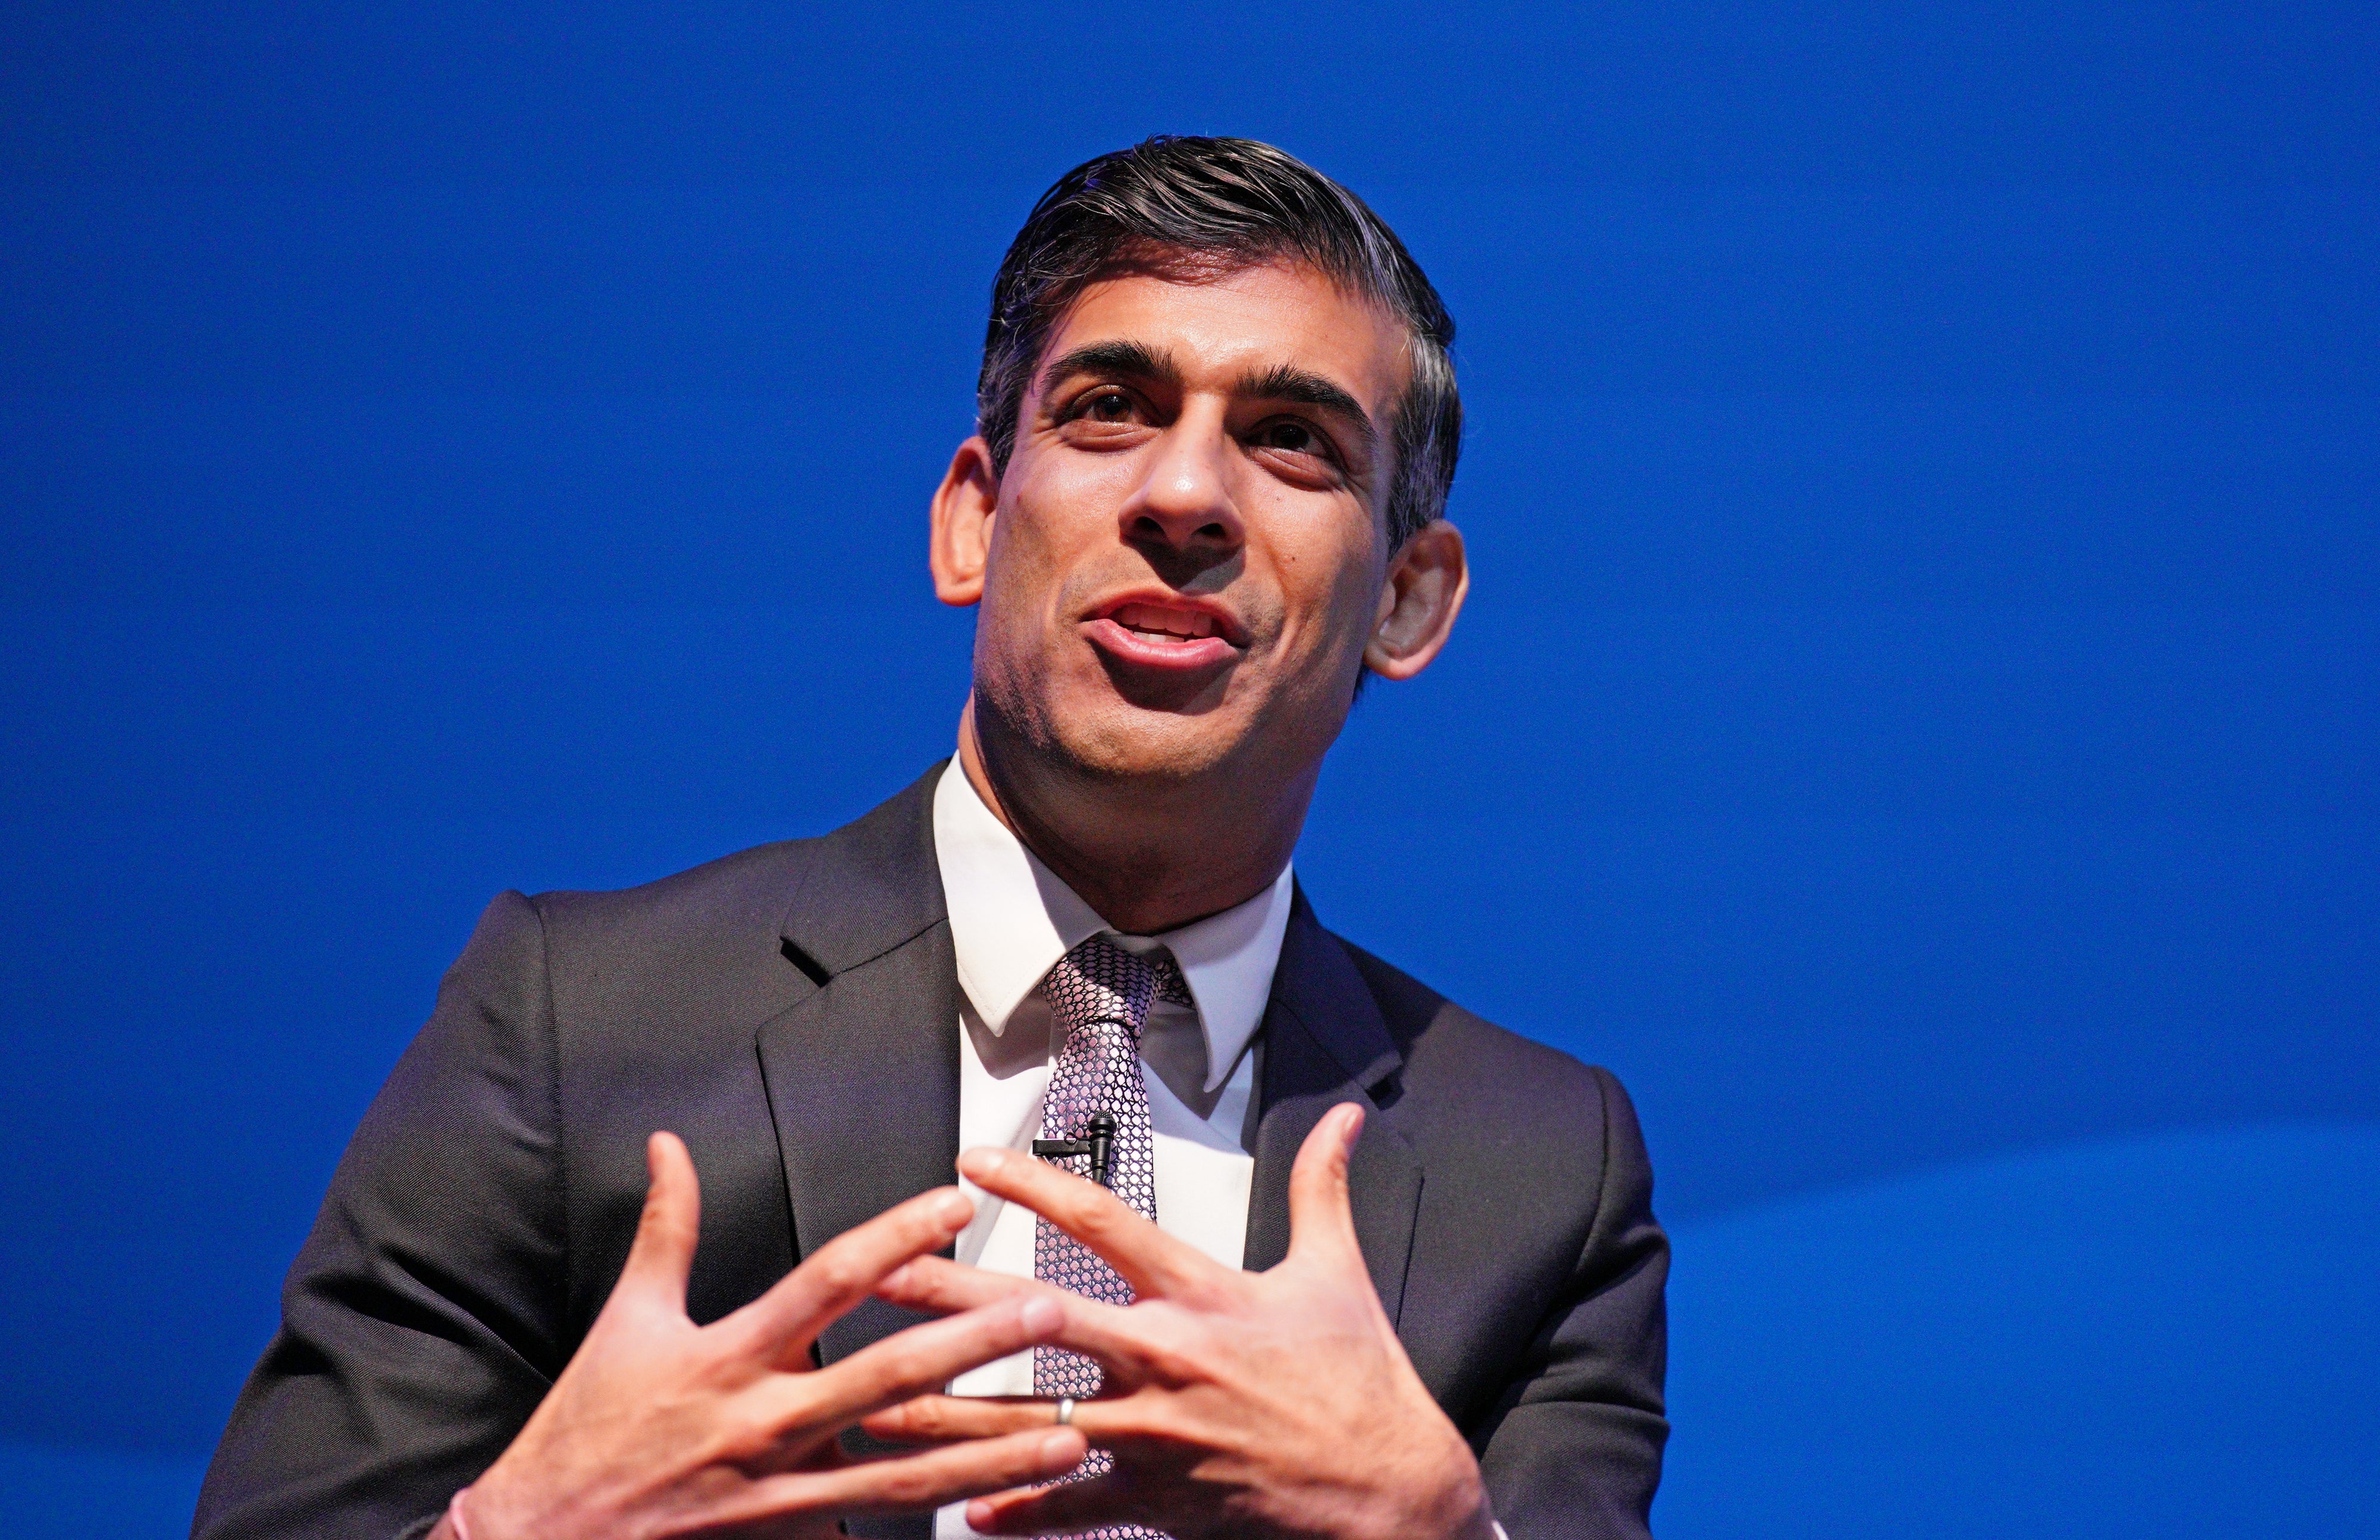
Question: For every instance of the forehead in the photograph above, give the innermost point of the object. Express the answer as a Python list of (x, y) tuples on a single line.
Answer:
[(1226, 327)]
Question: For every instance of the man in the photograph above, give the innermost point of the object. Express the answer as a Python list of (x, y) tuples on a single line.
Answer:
[(1266, 1238)]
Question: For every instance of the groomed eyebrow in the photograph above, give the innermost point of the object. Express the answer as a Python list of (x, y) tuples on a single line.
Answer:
[(1306, 388), (1131, 359), (1134, 360)]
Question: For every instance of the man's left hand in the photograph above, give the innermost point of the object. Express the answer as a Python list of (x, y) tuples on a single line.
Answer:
[(1274, 1403)]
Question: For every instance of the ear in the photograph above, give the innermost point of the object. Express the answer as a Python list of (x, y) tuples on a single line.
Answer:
[(1424, 593), (960, 547)]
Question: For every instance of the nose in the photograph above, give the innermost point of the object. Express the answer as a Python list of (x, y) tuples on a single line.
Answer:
[(1184, 506)]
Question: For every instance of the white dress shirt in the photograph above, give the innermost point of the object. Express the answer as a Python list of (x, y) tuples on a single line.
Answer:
[(1011, 920)]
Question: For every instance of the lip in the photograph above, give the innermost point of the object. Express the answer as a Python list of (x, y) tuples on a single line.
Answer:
[(1225, 640)]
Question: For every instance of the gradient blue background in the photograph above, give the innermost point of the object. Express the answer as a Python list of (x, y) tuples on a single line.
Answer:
[(1916, 718)]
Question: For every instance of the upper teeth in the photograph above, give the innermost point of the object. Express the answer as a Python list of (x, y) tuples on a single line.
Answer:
[(1172, 623)]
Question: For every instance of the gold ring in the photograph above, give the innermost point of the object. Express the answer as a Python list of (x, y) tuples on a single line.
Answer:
[(1065, 1411)]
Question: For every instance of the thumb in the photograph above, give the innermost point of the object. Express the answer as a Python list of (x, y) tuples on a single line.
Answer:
[(662, 1254), (1321, 1225)]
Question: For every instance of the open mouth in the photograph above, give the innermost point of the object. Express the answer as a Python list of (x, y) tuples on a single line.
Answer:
[(1154, 634), (1161, 623)]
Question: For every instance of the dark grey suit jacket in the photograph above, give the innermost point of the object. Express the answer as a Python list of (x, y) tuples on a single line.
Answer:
[(793, 1013)]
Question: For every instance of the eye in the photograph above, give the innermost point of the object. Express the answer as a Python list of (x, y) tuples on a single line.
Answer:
[(1289, 434), (1103, 417)]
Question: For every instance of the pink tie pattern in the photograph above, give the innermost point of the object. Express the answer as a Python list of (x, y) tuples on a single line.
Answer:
[(1100, 996)]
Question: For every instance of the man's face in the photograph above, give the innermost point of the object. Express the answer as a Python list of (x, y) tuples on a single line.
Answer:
[(1188, 550)]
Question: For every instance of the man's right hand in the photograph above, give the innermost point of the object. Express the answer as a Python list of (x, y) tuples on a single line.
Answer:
[(659, 1426)]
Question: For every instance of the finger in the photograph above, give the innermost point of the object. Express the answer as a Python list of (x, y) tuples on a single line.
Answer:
[(1321, 1224), (916, 1483), (1077, 1505), (1154, 1263), (1123, 1340), (662, 1255), (949, 1419), (940, 1286), (786, 1320), (911, 1362)]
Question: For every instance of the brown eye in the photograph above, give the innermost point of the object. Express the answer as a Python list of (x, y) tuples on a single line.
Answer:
[(1295, 437), (1113, 406)]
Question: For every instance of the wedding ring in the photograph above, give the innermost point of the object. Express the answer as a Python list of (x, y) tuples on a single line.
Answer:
[(1065, 1411)]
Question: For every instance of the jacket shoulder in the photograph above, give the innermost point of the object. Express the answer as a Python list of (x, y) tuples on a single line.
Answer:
[(744, 891), (1453, 1049), (802, 905)]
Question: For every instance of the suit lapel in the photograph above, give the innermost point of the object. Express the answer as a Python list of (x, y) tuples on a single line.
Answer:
[(1324, 1043), (862, 1073)]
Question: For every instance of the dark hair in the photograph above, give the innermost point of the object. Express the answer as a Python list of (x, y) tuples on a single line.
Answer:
[(1241, 202)]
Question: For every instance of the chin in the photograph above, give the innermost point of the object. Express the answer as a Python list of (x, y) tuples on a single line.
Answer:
[(1129, 743), (1106, 723)]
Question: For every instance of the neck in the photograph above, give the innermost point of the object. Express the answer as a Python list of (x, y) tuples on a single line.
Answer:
[(1147, 854)]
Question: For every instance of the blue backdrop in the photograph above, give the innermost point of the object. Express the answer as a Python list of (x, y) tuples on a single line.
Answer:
[(1916, 720)]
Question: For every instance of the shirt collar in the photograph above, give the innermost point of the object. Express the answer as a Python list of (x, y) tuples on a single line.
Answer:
[(1012, 918)]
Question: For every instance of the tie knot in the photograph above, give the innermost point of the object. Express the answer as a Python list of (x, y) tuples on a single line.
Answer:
[(1100, 983)]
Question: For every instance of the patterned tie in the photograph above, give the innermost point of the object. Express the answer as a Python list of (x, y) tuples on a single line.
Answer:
[(1099, 995)]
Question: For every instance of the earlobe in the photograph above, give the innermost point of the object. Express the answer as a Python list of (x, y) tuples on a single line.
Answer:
[(959, 546), (1424, 593)]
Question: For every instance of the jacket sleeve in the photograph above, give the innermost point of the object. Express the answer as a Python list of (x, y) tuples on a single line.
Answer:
[(1574, 1448), (423, 1320)]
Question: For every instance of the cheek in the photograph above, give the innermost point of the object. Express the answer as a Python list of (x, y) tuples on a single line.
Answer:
[(1053, 509), (1333, 582), (1022, 556), (1062, 487), (1041, 543)]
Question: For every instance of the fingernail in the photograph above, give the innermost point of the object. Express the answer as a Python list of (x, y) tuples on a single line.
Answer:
[(1059, 1455), (979, 1514), (1042, 1316), (953, 1210)]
